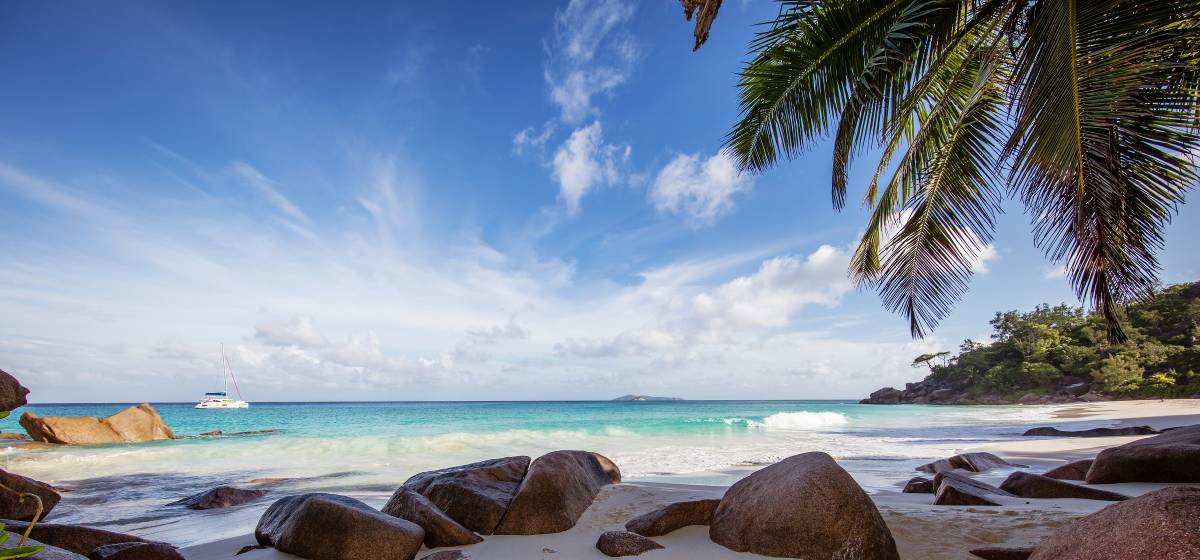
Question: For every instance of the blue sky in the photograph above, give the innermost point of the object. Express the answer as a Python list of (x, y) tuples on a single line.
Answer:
[(375, 201)]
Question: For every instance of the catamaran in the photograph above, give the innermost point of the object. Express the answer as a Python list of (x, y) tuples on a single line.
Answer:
[(220, 399)]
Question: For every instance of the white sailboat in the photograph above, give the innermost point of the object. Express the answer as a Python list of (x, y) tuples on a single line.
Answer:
[(220, 399)]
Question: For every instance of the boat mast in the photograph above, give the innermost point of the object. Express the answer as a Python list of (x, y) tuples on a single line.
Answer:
[(224, 370)]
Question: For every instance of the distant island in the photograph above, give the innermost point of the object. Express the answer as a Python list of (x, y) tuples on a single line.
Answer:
[(1062, 354), (627, 398)]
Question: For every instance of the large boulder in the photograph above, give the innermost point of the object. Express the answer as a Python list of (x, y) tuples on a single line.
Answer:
[(953, 489), (672, 517), (886, 395), (12, 506), (440, 529), (622, 543), (221, 497), (1173, 456), (1029, 485), (12, 393), (557, 489), (1094, 432), (332, 527), (805, 506), (1160, 525), (1075, 470), (974, 462), (134, 424), (135, 551), (75, 538), (48, 553), (474, 495)]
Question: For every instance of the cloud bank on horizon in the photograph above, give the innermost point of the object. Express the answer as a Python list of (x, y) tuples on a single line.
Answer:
[(425, 209)]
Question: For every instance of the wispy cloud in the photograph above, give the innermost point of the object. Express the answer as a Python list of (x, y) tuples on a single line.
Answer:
[(268, 190), (589, 54)]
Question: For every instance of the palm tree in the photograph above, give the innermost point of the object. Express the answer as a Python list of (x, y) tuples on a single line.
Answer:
[(1085, 110)]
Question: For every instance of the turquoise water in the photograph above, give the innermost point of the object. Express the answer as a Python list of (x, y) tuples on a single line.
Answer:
[(367, 449)]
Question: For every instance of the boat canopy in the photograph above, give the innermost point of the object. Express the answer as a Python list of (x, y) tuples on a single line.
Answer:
[(216, 394)]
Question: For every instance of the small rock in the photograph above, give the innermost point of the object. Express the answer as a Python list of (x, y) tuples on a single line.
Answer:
[(1029, 485), (440, 530), (918, 485), (557, 489), (135, 551), (1002, 553), (672, 517), (1170, 457), (1047, 431), (1159, 525), (954, 489), (1075, 470), (974, 462), (623, 543), (221, 497), (447, 555), (332, 527), (11, 504)]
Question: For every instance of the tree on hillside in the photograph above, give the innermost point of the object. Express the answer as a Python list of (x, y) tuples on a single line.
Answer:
[(1085, 111), (926, 360)]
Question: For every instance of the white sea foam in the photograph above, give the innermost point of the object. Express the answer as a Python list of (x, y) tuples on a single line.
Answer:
[(801, 420)]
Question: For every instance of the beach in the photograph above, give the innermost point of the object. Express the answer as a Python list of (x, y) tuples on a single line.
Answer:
[(921, 529)]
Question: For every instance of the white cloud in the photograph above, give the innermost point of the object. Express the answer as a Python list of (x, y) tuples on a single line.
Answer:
[(296, 331), (267, 189), (1054, 273), (590, 55), (985, 254), (530, 138), (703, 190), (584, 162), (496, 333)]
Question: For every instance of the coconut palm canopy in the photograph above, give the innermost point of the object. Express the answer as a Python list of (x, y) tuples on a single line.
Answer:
[(1086, 112)]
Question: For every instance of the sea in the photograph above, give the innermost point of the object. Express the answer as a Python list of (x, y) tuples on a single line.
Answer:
[(367, 449)]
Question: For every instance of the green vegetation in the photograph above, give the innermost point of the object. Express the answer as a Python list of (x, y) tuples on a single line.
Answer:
[(18, 551), (1086, 112), (1034, 350)]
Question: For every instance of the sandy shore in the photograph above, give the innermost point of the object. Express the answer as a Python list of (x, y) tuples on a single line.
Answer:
[(922, 530)]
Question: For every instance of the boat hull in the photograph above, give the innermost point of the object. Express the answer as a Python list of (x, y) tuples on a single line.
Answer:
[(223, 404)]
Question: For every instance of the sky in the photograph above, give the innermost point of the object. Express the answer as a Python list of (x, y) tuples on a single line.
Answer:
[(373, 201)]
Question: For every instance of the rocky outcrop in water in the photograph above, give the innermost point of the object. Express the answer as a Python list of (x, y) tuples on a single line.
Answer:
[(557, 489), (134, 424), (221, 497), (930, 391), (805, 506), (1094, 432), (12, 393), (332, 527)]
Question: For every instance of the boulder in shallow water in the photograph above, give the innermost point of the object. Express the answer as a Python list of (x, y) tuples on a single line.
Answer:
[(12, 393), (440, 529), (1160, 525), (1029, 485), (953, 489), (474, 495), (974, 462), (221, 497), (135, 551), (332, 527), (805, 506), (75, 538), (1002, 553), (557, 489), (1173, 456), (623, 543), (918, 485), (13, 507), (1075, 470), (134, 424), (1046, 431), (673, 517), (50, 552)]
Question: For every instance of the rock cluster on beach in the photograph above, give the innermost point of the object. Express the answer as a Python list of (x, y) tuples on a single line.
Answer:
[(134, 424)]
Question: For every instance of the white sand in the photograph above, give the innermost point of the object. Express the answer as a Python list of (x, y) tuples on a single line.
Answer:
[(922, 531)]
